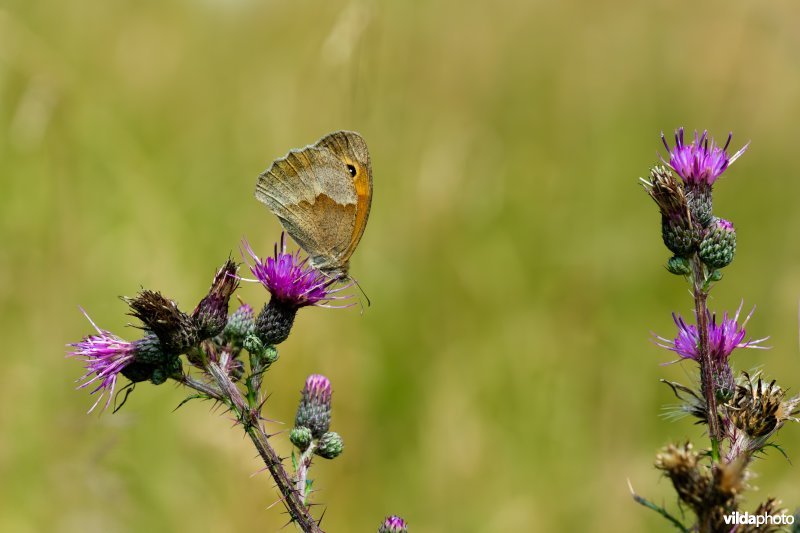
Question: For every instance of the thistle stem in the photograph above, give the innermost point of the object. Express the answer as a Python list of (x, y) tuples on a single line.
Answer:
[(251, 420), (302, 468), (199, 386), (700, 293)]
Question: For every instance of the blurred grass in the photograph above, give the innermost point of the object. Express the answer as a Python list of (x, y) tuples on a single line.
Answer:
[(503, 379)]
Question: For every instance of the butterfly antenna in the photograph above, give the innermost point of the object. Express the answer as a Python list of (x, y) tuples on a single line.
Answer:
[(361, 290)]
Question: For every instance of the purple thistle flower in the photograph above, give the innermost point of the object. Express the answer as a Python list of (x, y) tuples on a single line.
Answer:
[(105, 355), (393, 524), (289, 279), (723, 338), (700, 161), (318, 389)]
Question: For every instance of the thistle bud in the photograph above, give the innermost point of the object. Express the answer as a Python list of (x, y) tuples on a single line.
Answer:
[(679, 266), (330, 445), (393, 524), (264, 355), (211, 314), (667, 191), (719, 244), (176, 331), (241, 323), (314, 411), (301, 437)]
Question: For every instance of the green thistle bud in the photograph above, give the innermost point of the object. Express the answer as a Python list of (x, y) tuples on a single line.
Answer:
[(678, 235), (680, 266), (264, 355), (301, 437), (330, 445), (719, 244), (240, 325), (253, 344)]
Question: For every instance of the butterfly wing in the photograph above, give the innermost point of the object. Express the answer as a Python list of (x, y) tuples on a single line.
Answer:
[(351, 148), (315, 196)]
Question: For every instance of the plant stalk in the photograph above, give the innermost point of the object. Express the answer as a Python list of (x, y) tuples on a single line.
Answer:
[(251, 420), (303, 465), (700, 293)]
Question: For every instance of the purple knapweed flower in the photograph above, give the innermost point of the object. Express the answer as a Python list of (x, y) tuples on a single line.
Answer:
[(289, 279), (393, 524), (723, 337), (701, 161), (104, 355)]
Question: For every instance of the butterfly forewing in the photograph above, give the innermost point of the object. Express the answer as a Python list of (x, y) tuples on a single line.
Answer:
[(322, 195)]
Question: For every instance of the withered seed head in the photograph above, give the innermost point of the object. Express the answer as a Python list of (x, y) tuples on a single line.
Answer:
[(176, 330), (760, 409)]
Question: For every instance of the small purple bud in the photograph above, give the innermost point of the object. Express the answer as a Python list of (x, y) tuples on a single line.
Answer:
[(393, 524)]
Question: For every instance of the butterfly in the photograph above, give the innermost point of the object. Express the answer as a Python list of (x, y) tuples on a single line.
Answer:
[(322, 196)]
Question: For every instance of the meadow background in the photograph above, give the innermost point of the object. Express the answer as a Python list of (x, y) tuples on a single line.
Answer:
[(503, 378)]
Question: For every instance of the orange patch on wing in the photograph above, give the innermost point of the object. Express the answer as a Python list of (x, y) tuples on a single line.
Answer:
[(361, 182)]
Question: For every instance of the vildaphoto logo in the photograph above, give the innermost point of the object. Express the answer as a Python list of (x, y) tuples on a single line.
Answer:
[(758, 520)]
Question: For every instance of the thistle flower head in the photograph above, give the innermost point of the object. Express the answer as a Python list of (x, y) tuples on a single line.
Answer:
[(314, 411), (701, 161), (393, 524), (723, 337), (290, 280), (104, 355)]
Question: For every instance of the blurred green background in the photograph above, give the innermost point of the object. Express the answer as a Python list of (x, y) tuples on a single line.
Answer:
[(503, 378)]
